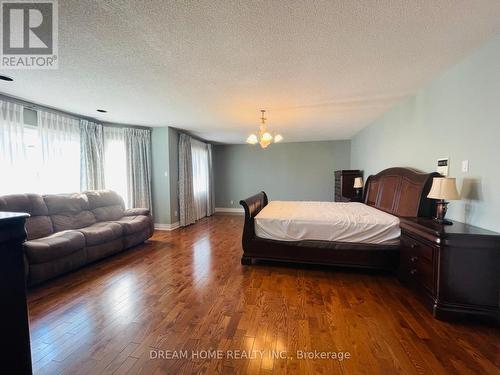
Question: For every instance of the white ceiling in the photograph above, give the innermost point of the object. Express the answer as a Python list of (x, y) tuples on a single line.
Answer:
[(323, 69)]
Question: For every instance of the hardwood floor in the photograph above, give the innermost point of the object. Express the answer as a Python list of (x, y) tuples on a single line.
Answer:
[(186, 290)]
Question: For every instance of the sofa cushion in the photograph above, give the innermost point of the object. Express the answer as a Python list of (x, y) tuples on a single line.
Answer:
[(136, 211), (30, 203), (72, 220), (108, 213), (101, 233), (103, 198), (106, 205), (134, 224), (38, 226), (64, 203), (55, 246)]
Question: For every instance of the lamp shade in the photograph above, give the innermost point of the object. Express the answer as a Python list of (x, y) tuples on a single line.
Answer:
[(358, 182), (444, 188)]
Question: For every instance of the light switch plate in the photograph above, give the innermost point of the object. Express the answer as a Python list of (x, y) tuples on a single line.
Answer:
[(465, 166)]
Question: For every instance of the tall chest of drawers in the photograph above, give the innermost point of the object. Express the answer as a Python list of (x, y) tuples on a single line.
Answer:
[(344, 185)]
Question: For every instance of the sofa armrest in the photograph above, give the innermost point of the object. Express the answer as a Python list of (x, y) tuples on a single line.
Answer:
[(136, 211)]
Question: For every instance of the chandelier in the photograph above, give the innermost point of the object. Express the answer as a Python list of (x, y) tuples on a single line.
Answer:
[(264, 137)]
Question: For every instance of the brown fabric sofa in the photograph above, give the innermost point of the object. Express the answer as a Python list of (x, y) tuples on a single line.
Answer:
[(67, 231)]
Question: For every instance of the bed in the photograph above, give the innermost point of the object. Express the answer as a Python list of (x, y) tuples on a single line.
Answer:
[(361, 235)]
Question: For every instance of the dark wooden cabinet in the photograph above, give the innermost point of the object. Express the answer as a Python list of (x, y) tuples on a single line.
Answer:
[(455, 268), (15, 344), (344, 186)]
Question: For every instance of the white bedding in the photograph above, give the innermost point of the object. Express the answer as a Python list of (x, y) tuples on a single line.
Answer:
[(327, 221)]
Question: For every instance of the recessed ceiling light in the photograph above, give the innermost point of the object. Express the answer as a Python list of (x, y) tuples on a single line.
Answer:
[(5, 78), (102, 110)]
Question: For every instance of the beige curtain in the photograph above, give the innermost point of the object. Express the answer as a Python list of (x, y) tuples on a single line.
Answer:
[(138, 150), (196, 185), (91, 156), (187, 209), (211, 184)]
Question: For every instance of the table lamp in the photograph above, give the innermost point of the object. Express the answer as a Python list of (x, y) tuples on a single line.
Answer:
[(358, 185), (442, 189)]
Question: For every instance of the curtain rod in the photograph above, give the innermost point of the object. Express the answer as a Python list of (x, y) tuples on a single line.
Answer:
[(35, 106)]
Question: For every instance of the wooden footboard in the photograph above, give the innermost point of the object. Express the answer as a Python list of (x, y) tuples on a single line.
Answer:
[(252, 207)]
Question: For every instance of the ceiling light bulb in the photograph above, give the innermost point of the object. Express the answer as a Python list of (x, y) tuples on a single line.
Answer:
[(267, 137), (252, 139), (278, 138)]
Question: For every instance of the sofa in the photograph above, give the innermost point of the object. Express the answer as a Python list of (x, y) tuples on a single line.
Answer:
[(67, 231)]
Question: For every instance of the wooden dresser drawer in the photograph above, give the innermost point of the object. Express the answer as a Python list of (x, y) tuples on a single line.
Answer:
[(417, 262), (455, 268)]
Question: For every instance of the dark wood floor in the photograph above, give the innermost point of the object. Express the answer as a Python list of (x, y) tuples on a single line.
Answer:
[(186, 290)]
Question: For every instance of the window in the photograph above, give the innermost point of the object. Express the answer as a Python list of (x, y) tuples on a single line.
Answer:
[(56, 147), (40, 151), (115, 162)]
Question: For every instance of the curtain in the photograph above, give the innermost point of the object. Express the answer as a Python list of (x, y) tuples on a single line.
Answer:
[(196, 184), (40, 158), (187, 208), (211, 184), (115, 162), (92, 156), (56, 147), (138, 150), (199, 155), (12, 151)]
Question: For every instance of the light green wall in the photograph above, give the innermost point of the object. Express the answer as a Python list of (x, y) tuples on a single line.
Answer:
[(160, 182), (165, 175), (286, 171), (456, 116), (173, 150)]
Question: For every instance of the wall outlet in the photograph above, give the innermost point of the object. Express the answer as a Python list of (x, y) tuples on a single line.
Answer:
[(166, 174), (465, 166), (232, 202), (175, 213)]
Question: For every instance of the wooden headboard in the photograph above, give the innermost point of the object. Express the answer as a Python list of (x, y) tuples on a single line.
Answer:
[(401, 192)]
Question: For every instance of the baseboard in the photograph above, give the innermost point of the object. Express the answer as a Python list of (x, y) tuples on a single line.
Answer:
[(172, 226), (229, 210)]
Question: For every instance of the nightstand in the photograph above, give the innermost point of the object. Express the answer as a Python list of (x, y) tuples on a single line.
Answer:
[(455, 268), (354, 199)]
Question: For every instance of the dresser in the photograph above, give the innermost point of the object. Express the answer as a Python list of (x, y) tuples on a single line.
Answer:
[(344, 185), (15, 343), (454, 268)]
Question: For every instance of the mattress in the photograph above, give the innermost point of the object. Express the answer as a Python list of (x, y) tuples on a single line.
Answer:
[(326, 221)]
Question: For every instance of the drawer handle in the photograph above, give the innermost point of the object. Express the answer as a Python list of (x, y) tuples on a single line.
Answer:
[(413, 259), (413, 245), (413, 272)]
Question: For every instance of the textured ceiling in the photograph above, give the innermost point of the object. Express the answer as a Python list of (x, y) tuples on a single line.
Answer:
[(323, 69)]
